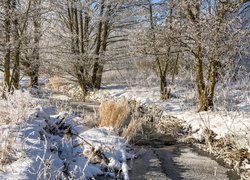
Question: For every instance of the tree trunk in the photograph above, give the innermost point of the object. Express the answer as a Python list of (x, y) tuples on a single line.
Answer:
[(34, 79), (96, 82), (81, 32), (194, 16), (7, 41), (94, 74), (81, 80), (77, 45), (98, 76), (16, 69), (35, 66), (175, 68), (86, 30), (105, 34), (201, 87), (165, 93)]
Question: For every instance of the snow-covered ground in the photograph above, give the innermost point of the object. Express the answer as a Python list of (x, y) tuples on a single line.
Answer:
[(47, 144)]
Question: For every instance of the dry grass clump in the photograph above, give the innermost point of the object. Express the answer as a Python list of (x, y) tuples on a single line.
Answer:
[(169, 125), (4, 117), (227, 149), (1, 86), (139, 124), (56, 82), (157, 130), (150, 126), (64, 86), (114, 113), (133, 128)]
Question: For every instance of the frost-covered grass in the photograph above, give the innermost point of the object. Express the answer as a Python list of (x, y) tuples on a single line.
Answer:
[(16, 107), (14, 113)]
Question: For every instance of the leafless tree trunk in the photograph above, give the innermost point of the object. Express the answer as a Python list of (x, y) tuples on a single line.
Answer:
[(34, 71), (7, 24), (97, 69), (16, 68)]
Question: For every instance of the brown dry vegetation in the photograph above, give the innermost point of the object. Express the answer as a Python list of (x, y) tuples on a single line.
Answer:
[(138, 124), (91, 120), (114, 114), (64, 86), (55, 83)]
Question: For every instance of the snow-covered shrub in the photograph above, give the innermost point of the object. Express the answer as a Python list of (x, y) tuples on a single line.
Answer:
[(16, 107), (14, 110), (10, 147), (233, 93)]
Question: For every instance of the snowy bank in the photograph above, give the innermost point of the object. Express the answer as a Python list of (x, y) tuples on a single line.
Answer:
[(54, 145)]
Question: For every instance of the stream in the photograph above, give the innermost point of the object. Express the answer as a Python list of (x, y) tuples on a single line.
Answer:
[(175, 162)]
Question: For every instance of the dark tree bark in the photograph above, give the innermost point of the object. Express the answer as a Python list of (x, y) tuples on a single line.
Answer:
[(7, 24), (97, 68), (105, 35), (35, 66), (16, 69)]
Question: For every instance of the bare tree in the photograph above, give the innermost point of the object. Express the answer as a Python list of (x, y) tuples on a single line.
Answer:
[(161, 42), (206, 33), (14, 30), (91, 28)]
